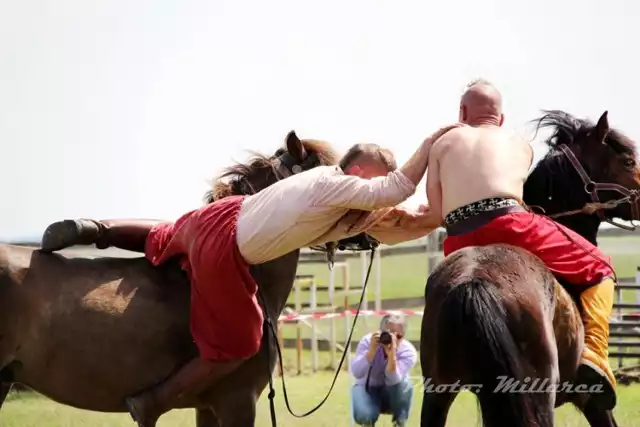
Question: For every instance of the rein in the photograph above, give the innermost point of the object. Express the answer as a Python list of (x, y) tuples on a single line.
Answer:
[(287, 167), (592, 188), (269, 327)]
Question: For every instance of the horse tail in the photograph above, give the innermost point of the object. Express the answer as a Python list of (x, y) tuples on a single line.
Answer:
[(473, 324)]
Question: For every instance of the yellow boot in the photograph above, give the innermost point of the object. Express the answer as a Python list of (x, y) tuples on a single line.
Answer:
[(597, 304)]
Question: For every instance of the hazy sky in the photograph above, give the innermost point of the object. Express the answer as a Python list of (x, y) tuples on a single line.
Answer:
[(125, 108)]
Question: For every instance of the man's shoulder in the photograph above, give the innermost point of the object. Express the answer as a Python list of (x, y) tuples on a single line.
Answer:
[(502, 134)]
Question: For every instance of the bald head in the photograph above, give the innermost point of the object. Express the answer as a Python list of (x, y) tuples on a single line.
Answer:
[(481, 104)]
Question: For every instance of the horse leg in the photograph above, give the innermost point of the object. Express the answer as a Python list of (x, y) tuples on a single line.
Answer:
[(435, 407), (205, 417), (235, 409), (239, 414), (599, 418), (595, 417)]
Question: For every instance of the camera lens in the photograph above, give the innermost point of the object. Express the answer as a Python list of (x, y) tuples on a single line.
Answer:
[(385, 338)]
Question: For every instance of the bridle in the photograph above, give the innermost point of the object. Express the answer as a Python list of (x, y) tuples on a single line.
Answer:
[(591, 188), (288, 166)]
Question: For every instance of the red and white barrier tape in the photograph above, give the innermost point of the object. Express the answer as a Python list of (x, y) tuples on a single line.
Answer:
[(316, 316)]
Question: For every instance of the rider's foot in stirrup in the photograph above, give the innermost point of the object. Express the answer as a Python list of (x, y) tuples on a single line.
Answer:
[(67, 233)]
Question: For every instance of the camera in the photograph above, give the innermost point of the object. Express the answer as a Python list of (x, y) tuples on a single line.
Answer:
[(385, 338)]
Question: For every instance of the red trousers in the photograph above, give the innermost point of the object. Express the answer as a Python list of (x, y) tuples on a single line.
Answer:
[(567, 254), (226, 319)]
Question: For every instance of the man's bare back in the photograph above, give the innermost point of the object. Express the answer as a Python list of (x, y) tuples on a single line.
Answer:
[(478, 161)]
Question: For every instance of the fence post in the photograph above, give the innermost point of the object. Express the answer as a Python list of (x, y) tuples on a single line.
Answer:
[(364, 256), (332, 322), (638, 284), (298, 305), (432, 250), (347, 331), (313, 305), (378, 286)]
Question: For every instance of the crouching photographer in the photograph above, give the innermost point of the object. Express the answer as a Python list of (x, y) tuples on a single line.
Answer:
[(381, 367)]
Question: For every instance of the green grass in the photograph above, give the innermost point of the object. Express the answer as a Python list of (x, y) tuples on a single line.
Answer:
[(305, 391)]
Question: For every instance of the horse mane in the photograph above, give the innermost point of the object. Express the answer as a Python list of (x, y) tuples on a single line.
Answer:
[(237, 179), (572, 131)]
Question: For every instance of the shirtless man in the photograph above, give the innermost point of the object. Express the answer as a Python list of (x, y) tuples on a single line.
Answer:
[(220, 241), (475, 180)]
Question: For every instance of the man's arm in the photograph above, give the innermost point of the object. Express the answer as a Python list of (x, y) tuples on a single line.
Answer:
[(388, 225), (360, 364), (404, 225), (434, 186), (353, 192)]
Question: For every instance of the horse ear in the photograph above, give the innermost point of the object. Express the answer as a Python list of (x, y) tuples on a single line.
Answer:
[(602, 127), (295, 147)]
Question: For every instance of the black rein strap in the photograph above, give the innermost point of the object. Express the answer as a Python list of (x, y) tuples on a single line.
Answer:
[(268, 326)]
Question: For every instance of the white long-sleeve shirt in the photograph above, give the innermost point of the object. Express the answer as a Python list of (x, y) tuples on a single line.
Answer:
[(299, 210)]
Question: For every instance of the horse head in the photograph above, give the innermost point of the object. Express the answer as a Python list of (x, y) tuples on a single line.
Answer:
[(589, 175), (295, 156)]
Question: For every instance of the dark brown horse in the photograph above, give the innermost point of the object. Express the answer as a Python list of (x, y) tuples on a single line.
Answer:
[(90, 332), (497, 311)]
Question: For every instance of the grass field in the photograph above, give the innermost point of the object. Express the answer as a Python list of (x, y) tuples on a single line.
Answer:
[(304, 391)]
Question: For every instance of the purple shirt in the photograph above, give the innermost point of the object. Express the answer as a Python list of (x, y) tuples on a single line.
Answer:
[(406, 357)]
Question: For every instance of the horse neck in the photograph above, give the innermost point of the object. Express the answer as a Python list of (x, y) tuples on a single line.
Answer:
[(558, 193), (275, 279)]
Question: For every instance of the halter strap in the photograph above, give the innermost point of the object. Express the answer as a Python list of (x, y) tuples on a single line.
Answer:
[(592, 188), (292, 167)]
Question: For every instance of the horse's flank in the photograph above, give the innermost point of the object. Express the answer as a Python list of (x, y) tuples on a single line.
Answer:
[(112, 307)]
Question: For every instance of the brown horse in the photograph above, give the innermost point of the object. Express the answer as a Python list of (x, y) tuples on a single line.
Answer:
[(90, 332), (496, 311)]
